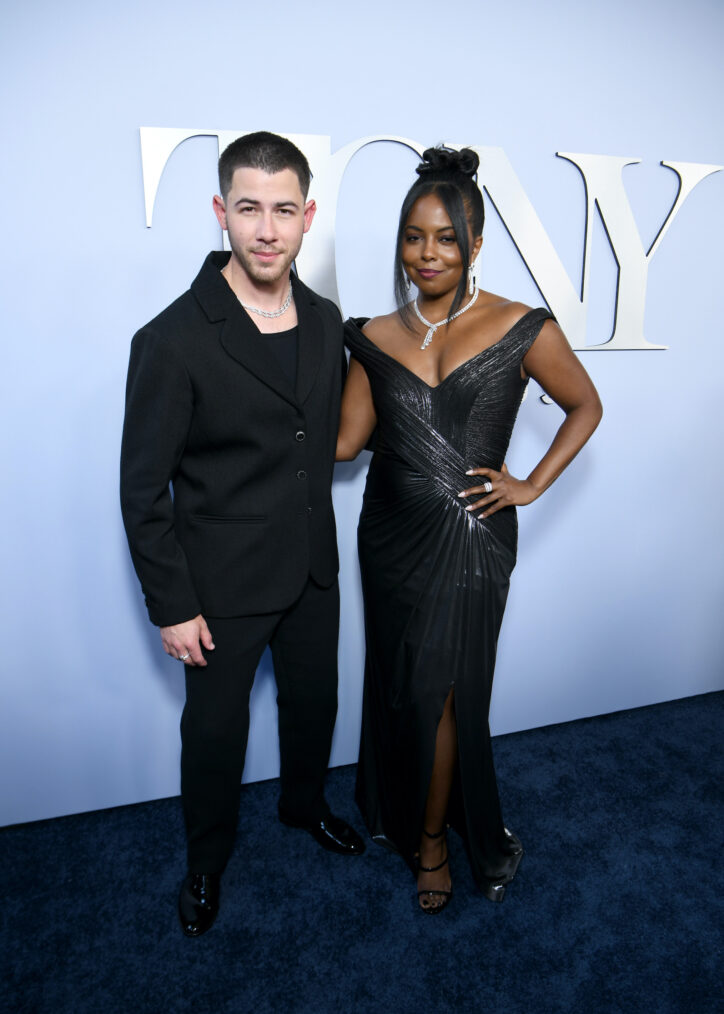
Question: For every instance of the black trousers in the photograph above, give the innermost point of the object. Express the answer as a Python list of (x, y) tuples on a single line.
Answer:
[(215, 720)]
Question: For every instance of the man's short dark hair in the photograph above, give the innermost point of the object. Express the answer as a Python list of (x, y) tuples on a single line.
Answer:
[(266, 151)]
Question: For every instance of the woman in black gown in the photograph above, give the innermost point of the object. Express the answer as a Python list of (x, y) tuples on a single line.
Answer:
[(442, 379)]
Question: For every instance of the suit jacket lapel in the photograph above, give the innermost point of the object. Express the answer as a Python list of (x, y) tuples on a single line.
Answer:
[(239, 337), (311, 339)]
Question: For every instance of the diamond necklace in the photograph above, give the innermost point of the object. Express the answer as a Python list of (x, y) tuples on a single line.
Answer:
[(432, 328), (273, 313)]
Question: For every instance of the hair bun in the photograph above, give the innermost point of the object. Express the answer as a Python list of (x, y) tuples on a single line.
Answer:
[(441, 161)]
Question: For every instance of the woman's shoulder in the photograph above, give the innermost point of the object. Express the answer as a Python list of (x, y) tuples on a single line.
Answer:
[(504, 312), (503, 315), (383, 327), (383, 332)]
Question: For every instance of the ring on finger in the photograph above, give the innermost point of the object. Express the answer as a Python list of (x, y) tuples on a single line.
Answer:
[(182, 658), (488, 487)]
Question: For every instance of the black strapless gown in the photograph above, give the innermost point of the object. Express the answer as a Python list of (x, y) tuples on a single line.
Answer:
[(435, 581)]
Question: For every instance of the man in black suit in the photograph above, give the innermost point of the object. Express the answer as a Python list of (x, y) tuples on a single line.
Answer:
[(233, 402)]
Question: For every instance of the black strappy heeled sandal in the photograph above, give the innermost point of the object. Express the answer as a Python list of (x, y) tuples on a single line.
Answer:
[(432, 895)]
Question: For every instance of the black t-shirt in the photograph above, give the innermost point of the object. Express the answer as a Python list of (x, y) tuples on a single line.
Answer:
[(284, 346)]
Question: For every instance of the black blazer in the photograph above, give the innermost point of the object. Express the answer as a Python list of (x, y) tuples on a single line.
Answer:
[(210, 411)]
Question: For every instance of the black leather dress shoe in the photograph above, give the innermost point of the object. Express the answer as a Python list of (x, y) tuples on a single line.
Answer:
[(198, 902), (332, 833)]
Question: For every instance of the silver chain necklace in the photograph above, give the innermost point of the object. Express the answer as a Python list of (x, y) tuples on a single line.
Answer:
[(272, 313), (432, 328)]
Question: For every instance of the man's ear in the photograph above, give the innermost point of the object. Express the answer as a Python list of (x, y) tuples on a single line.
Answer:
[(220, 211), (309, 210)]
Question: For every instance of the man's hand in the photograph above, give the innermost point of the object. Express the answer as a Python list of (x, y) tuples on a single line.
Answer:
[(183, 641)]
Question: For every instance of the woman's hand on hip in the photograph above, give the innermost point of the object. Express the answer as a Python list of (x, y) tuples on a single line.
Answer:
[(500, 489)]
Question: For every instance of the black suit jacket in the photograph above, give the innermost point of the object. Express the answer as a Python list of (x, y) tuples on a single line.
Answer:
[(210, 412)]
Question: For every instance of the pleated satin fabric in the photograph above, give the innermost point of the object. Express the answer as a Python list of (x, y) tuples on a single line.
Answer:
[(435, 581)]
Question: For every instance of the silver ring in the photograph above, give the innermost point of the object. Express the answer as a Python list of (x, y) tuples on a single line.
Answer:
[(488, 487), (182, 658)]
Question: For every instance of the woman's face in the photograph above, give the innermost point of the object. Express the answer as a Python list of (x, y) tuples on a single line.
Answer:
[(430, 252)]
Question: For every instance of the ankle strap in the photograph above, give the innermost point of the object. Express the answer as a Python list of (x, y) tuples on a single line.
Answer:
[(431, 869), (437, 834)]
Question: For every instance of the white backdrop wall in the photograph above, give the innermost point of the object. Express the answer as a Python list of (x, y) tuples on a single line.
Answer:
[(617, 598)]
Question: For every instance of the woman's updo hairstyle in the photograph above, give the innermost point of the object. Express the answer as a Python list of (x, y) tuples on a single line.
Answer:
[(451, 176)]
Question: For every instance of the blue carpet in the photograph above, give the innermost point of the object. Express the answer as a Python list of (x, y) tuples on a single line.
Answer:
[(617, 906)]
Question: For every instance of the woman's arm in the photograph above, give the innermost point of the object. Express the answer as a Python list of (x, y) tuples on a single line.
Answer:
[(552, 363), (358, 418)]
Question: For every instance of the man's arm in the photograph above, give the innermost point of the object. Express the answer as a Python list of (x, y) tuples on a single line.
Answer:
[(159, 406)]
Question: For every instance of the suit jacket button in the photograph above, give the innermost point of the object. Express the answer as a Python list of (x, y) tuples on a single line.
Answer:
[(301, 474), (300, 435)]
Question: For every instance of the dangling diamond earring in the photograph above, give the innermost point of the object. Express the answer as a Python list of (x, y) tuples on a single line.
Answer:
[(408, 282), (471, 280)]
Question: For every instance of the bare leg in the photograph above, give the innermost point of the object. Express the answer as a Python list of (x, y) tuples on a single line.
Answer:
[(433, 851)]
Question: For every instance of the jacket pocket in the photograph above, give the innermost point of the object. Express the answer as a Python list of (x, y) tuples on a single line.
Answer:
[(229, 519)]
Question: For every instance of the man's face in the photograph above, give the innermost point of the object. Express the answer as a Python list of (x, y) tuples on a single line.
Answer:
[(265, 216)]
